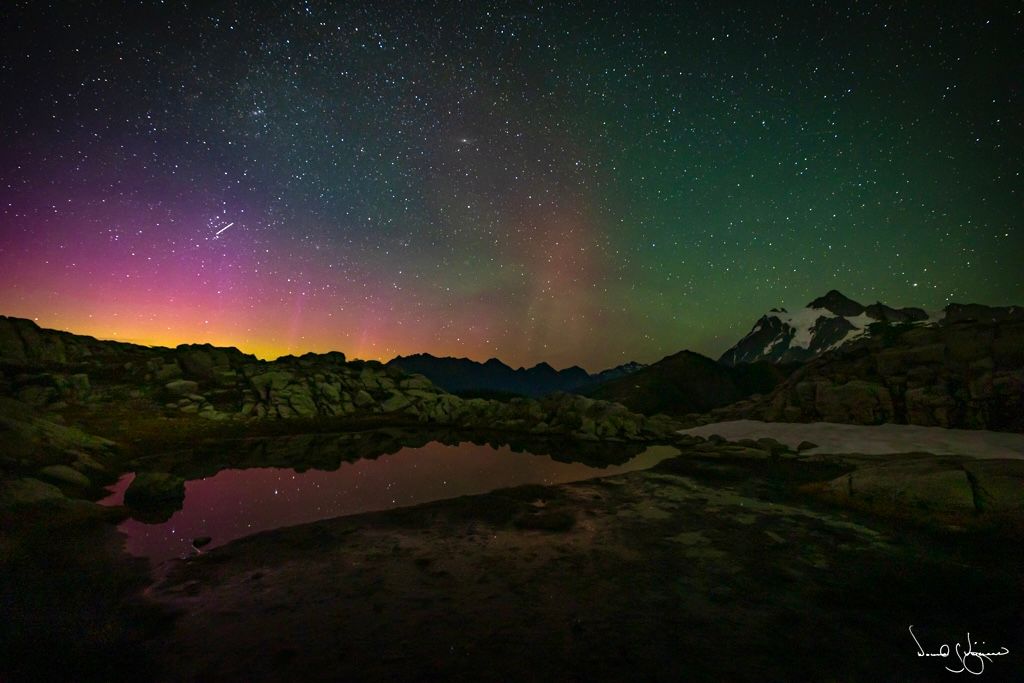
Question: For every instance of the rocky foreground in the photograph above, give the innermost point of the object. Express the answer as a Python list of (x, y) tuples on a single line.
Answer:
[(721, 564), (737, 561)]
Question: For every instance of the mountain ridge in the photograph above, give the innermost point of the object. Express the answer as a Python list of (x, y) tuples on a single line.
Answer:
[(835, 320), (688, 382), (467, 375)]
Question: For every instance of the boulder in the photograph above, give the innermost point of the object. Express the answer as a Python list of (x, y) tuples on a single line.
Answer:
[(856, 401), (27, 491), (416, 382), (196, 361), (917, 484), (78, 385), (167, 371), (84, 461), (205, 361), (930, 406), (772, 446), (369, 378), (274, 380), (62, 474), (395, 402), (181, 387), (302, 403), (330, 392), (998, 484), (363, 399)]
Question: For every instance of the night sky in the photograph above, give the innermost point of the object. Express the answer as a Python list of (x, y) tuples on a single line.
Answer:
[(577, 183)]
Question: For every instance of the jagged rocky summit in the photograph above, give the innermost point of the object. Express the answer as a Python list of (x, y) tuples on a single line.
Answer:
[(834, 320)]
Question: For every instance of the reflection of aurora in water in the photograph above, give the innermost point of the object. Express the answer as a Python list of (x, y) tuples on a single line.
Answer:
[(234, 503)]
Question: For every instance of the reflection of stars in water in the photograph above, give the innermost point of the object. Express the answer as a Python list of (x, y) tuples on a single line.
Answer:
[(236, 503)]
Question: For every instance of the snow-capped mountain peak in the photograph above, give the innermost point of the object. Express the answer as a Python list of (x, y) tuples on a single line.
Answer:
[(826, 323)]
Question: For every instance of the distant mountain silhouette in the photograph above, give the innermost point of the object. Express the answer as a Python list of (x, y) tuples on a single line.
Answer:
[(688, 382), (462, 375)]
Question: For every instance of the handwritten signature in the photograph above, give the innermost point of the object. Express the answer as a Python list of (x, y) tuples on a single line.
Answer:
[(970, 661)]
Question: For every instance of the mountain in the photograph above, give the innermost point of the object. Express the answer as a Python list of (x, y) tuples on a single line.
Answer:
[(827, 323), (688, 382), (616, 372), (965, 372), (469, 376)]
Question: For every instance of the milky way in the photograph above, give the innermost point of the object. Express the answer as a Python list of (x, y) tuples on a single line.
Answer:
[(576, 183)]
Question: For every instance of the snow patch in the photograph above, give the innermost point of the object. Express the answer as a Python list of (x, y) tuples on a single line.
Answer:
[(860, 324), (802, 321)]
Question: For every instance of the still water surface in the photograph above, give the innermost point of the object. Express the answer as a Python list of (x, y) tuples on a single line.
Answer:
[(235, 503)]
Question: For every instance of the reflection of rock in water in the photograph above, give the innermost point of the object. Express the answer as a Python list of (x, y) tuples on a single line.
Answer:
[(327, 451), (592, 453), (154, 496)]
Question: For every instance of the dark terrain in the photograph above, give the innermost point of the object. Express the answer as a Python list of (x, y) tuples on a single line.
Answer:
[(464, 376), (731, 561), (688, 382)]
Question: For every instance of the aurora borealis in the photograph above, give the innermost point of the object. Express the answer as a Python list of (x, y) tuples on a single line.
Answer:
[(575, 183)]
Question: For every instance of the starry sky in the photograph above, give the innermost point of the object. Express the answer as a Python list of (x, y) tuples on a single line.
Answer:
[(579, 183)]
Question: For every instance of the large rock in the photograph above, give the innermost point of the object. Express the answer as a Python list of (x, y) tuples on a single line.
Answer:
[(363, 399), (203, 361), (302, 403), (930, 406), (270, 381), (181, 388), (395, 402), (998, 485), (915, 484), (416, 382), (27, 491), (62, 474), (856, 401), (331, 393)]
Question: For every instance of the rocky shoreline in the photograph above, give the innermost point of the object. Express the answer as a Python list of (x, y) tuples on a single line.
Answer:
[(726, 542), (713, 563)]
